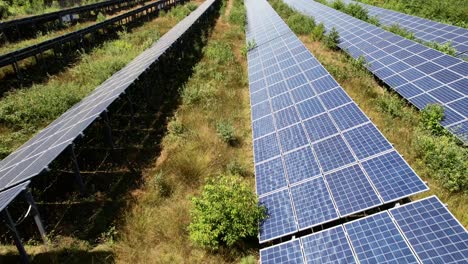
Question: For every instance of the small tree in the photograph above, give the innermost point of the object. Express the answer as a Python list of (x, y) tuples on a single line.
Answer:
[(226, 212), (332, 39), (431, 116)]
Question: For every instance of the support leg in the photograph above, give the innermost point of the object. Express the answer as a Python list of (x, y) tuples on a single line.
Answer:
[(105, 117), (36, 215), (76, 169), (19, 245)]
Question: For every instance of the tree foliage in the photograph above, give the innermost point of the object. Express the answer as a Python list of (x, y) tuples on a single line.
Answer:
[(225, 213)]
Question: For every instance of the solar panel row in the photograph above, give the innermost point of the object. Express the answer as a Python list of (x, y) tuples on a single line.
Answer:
[(36, 154), (419, 232), (8, 195), (423, 29), (418, 73), (317, 156)]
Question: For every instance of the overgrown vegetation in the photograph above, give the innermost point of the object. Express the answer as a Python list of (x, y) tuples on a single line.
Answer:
[(446, 48), (358, 11), (432, 152), (195, 156), (25, 111), (226, 212), (16, 8), (453, 12)]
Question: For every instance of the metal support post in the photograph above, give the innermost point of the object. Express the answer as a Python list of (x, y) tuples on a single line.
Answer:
[(36, 215), (105, 118), (19, 245), (76, 169)]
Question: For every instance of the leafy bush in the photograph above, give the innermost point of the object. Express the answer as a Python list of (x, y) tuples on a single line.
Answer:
[(248, 47), (283, 9), (235, 168), (391, 105), (338, 5), (161, 185), (318, 32), (358, 11), (191, 6), (225, 130), (100, 17), (431, 116), (446, 48), (225, 213), (447, 161), (237, 15), (374, 20), (332, 39), (4, 10), (220, 52), (396, 29), (301, 24)]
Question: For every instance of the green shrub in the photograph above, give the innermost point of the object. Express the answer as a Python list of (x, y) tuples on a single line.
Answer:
[(338, 5), (235, 168), (161, 185), (191, 6), (431, 116), (391, 105), (446, 48), (332, 39), (4, 10), (219, 52), (447, 161), (225, 213), (396, 29), (374, 20), (248, 47), (238, 15), (358, 11), (226, 132), (301, 24), (283, 9), (318, 32), (100, 17)]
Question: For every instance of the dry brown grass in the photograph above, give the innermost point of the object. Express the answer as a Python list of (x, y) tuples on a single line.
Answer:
[(155, 229)]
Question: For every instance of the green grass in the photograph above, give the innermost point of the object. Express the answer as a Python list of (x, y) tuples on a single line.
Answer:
[(192, 153), (439, 159), (11, 9), (24, 112), (454, 12)]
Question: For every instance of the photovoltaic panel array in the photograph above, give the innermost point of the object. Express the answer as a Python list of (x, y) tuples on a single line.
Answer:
[(36, 154), (420, 74), (7, 196), (424, 29), (317, 155), (419, 232)]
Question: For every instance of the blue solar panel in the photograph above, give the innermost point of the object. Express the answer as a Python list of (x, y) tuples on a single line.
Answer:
[(266, 147), (313, 203), (376, 239), (393, 177), (432, 231), (301, 164), (366, 141), (292, 114), (333, 153), (263, 126), (328, 246), (280, 220), (270, 176), (348, 116), (352, 190), (286, 117), (8, 195), (288, 252), (320, 127), (310, 108), (393, 59), (292, 137)]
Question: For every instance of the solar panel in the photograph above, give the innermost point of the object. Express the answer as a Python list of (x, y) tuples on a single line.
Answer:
[(376, 239), (432, 231), (423, 29), (281, 220), (7, 196), (420, 74), (328, 246), (309, 138), (36, 154), (288, 252)]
